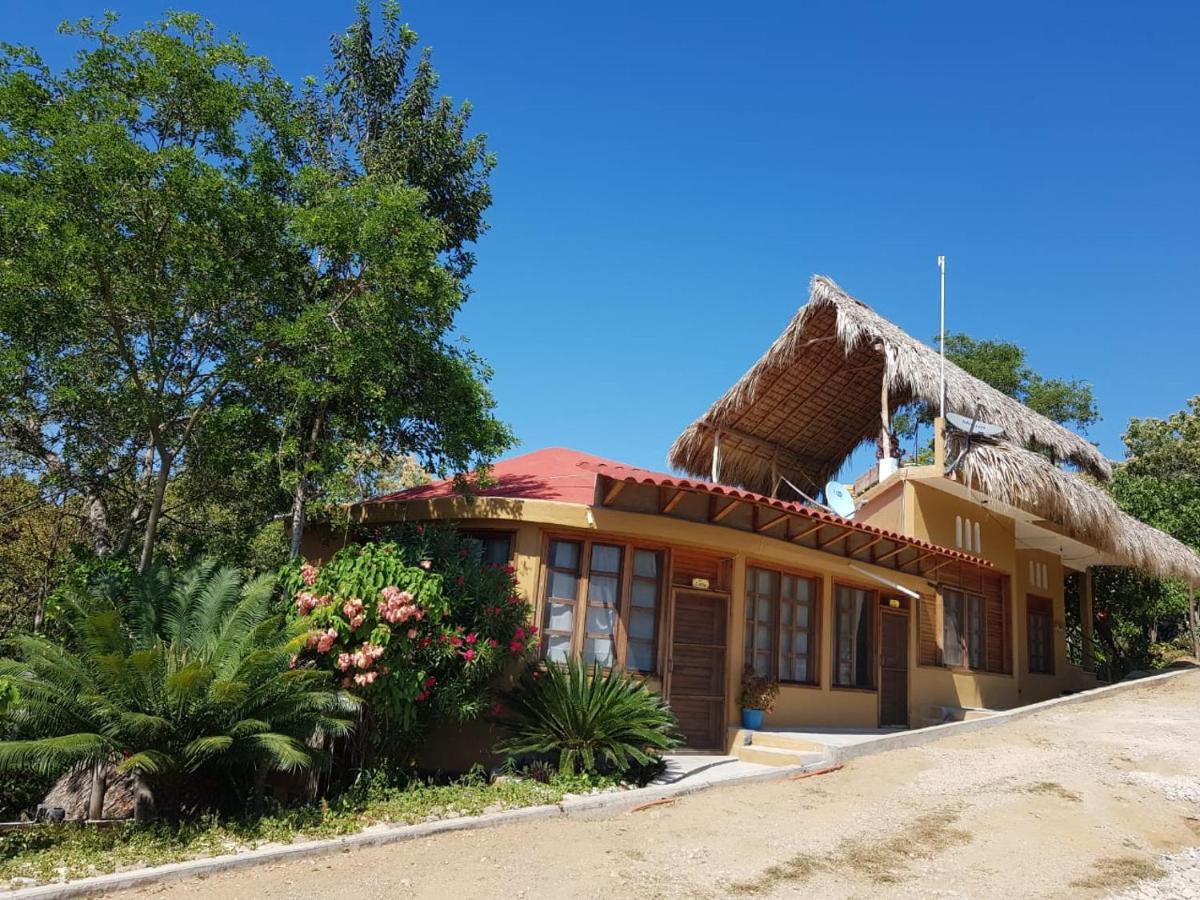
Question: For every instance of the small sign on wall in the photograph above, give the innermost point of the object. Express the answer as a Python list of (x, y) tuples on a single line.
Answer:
[(700, 584)]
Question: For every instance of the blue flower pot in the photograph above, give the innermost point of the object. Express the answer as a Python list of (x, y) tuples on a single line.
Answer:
[(752, 718)]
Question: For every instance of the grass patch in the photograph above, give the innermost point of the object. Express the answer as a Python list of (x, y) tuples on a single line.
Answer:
[(1052, 788), (883, 862), (1116, 872), (70, 851)]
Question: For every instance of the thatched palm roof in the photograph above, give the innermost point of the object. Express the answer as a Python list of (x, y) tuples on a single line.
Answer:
[(1085, 511), (815, 395)]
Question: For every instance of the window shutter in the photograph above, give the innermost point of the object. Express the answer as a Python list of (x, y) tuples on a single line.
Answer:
[(930, 655), (995, 632)]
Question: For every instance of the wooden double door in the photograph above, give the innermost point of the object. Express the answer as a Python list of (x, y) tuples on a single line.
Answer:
[(696, 664)]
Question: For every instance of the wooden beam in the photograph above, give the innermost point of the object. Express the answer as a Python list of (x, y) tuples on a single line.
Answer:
[(940, 566), (767, 526), (611, 494), (725, 510), (917, 560), (671, 503), (870, 543), (836, 540), (900, 548), (802, 535)]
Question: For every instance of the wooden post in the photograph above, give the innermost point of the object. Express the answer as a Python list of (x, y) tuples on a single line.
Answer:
[(885, 441), (99, 788), (939, 443), (1087, 589), (1194, 615), (716, 459)]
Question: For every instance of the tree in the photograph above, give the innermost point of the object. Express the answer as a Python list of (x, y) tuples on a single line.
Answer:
[(144, 248), (170, 675), (394, 194), (1003, 365), (1159, 483)]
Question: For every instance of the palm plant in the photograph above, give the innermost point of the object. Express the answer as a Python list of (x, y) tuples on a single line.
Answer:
[(588, 719), (172, 676)]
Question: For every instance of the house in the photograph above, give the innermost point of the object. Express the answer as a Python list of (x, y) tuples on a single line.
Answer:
[(947, 591)]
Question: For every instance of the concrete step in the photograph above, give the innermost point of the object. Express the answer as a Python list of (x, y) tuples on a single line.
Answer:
[(775, 756), (784, 740)]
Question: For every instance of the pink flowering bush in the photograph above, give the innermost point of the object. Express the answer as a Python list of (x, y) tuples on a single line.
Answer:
[(416, 625)]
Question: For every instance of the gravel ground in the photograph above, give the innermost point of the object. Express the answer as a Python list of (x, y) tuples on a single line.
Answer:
[(1092, 800)]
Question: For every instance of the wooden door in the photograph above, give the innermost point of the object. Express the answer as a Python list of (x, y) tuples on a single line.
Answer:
[(696, 668), (893, 667)]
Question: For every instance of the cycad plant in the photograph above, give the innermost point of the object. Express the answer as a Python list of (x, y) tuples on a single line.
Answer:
[(591, 720), (177, 678)]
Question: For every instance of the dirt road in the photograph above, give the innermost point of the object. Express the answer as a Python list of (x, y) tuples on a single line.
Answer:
[(1088, 800)]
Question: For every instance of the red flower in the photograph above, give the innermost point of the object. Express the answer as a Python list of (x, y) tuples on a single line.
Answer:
[(471, 638), (460, 581), (430, 681), (533, 629), (421, 697), (519, 635), (516, 646), (493, 643), (469, 655), (455, 641), (497, 709)]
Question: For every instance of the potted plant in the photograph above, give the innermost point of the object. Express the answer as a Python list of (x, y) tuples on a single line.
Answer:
[(757, 699)]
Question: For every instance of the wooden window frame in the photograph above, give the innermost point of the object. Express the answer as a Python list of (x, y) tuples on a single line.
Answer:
[(964, 637), (813, 629), (1005, 637), (624, 605), (1044, 611), (833, 613), (485, 533)]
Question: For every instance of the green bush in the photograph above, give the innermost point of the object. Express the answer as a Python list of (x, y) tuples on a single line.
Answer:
[(185, 679), (415, 624), (589, 721)]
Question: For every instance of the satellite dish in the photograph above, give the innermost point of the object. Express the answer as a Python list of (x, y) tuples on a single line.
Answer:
[(839, 499), (973, 427)]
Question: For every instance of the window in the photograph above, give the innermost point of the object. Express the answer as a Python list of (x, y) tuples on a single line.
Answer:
[(964, 630), (492, 547), (562, 592), (780, 610), (614, 594), (1041, 636), (854, 636)]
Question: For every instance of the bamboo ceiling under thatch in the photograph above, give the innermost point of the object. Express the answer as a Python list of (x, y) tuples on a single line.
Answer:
[(1031, 482), (815, 396)]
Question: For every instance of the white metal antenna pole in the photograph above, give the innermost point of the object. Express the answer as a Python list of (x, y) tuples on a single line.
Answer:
[(942, 339)]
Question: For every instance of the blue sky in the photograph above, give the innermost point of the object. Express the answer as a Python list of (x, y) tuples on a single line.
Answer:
[(671, 175)]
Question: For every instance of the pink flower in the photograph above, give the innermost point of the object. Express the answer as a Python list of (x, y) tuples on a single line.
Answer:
[(426, 564), (519, 635), (398, 606), (308, 574), (365, 678), (471, 638), (412, 634), (493, 643), (293, 662), (344, 661), (516, 647), (469, 655), (455, 641), (325, 641)]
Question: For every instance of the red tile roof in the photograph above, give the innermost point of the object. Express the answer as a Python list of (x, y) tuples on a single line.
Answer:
[(569, 476)]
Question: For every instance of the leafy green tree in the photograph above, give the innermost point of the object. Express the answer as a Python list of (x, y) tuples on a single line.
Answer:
[(394, 195), (1004, 366), (173, 677), (1159, 483), (144, 248)]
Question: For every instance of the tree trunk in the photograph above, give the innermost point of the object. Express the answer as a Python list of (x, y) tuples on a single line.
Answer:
[(160, 492), (300, 497), (97, 517), (143, 802), (260, 789), (99, 788)]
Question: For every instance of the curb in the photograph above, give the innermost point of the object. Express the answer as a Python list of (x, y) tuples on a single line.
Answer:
[(576, 806)]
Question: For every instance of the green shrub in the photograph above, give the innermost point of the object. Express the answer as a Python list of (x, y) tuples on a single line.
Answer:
[(185, 679), (588, 721), (417, 626)]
